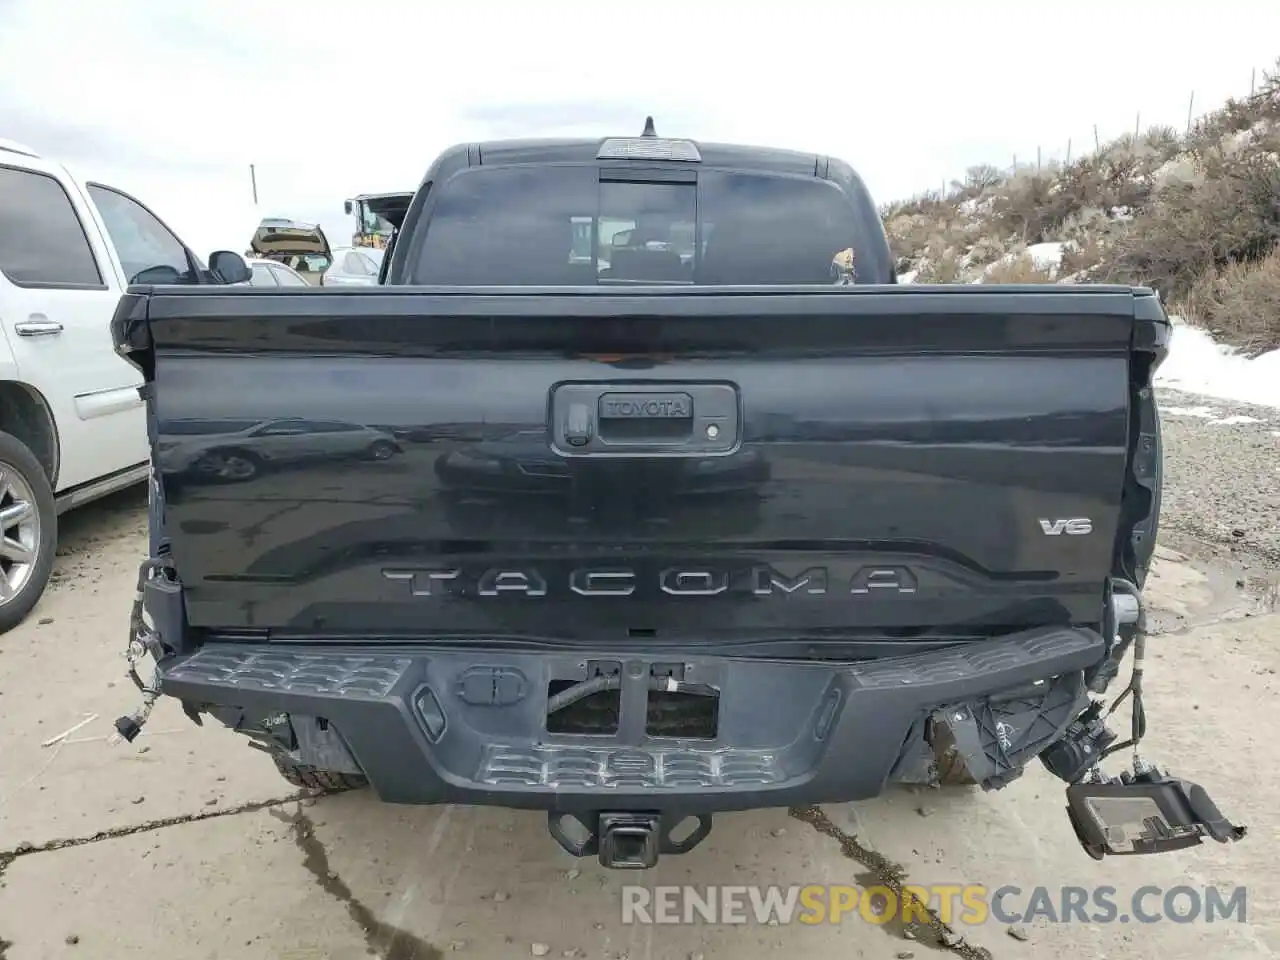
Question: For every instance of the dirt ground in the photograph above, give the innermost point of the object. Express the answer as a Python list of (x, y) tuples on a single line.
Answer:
[(187, 845)]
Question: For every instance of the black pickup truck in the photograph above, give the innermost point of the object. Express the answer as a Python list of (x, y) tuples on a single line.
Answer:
[(638, 491)]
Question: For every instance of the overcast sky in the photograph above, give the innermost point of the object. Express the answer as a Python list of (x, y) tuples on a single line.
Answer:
[(173, 99)]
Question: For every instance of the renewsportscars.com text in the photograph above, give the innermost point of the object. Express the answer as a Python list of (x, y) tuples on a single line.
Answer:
[(952, 903)]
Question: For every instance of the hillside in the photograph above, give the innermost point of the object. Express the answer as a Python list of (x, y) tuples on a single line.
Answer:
[(1195, 216)]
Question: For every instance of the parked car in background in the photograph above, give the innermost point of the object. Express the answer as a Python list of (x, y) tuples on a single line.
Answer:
[(353, 267), (302, 247), (230, 451), (72, 423), (269, 273)]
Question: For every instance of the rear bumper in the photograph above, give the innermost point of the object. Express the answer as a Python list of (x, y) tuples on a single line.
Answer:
[(788, 732)]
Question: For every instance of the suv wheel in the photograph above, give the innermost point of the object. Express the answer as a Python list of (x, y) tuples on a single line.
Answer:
[(28, 531)]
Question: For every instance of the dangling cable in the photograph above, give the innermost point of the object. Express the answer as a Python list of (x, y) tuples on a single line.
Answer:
[(1138, 715), (141, 642)]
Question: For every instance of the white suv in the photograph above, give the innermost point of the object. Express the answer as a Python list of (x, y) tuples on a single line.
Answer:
[(72, 422)]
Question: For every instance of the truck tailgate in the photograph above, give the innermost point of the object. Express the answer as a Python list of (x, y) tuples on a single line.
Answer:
[(610, 464)]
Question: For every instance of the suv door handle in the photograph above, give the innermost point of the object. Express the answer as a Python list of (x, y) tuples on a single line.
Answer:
[(38, 327)]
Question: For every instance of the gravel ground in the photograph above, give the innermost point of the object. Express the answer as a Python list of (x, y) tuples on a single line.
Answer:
[(1222, 479)]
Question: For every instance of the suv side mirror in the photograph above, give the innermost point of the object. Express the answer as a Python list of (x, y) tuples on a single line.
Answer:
[(346, 207), (157, 275), (228, 267)]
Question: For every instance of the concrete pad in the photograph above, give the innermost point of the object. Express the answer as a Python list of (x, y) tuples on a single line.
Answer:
[(227, 887), (65, 664), (491, 883)]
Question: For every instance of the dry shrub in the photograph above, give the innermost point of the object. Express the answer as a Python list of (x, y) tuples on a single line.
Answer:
[(929, 203), (985, 250), (1154, 209), (1167, 247), (1237, 115), (1082, 258), (1232, 216), (1036, 208), (1164, 140), (982, 176), (909, 233), (1085, 226), (1027, 210), (943, 267), (1240, 303), (1124, 174), (977, 180), (1020, 269)]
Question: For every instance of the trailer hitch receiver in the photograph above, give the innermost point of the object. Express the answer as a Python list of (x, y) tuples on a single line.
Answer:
[(629, 841), (626, 840)]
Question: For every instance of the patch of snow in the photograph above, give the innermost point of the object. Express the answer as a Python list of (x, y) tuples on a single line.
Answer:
[(1244, 138), (976, 206), (1204, 412), (1047, 256), (909, 276), (1235, 418), (1123, 214), (1197, 364), (1180, 169)]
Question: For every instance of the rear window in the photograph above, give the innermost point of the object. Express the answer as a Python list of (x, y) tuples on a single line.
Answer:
[(42, 242), (565, 225)]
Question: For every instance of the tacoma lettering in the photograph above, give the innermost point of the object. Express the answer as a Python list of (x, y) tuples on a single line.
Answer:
[(883, 579), (603, 583), (761, 580), (767, 579), (693, 583), (526, 582), (422, 582)]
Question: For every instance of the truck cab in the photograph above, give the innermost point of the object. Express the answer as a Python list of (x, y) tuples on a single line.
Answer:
[(372, 228)]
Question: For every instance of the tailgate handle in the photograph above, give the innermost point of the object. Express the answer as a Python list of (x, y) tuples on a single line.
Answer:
[(646, 417), (673, 419)]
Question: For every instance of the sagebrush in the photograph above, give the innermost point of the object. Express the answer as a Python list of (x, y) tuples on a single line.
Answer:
[(1195, 216)]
